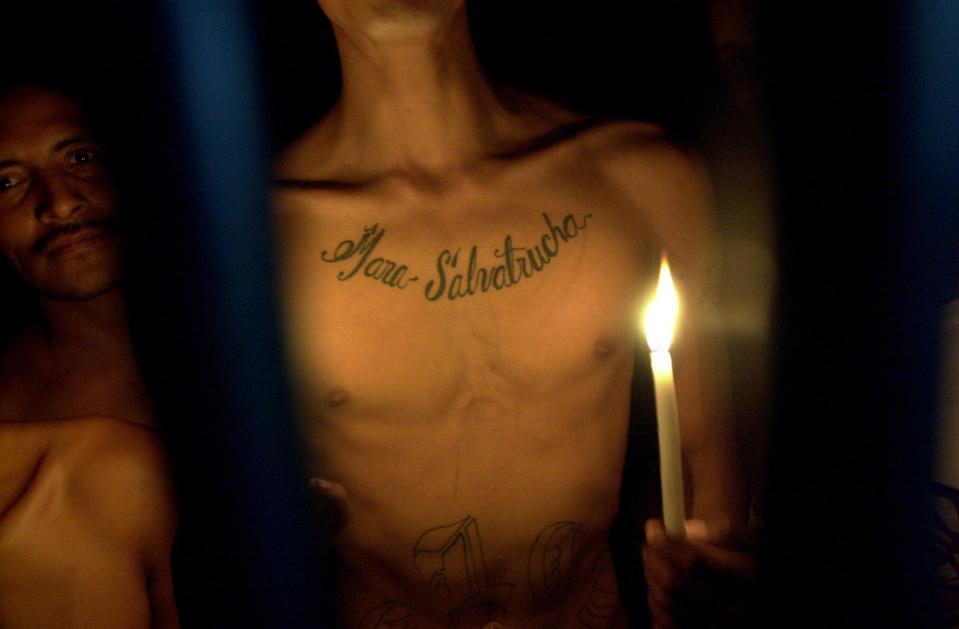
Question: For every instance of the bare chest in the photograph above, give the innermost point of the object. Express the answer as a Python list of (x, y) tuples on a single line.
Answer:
[(51, 548), (433, 303), (57, 569)]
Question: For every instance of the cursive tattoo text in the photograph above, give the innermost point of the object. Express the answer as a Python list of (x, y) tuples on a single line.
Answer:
[(358, 254), (453, 281)]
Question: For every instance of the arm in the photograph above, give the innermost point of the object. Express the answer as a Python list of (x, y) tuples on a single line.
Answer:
[(685, 229), (671, 199), (670, 196)]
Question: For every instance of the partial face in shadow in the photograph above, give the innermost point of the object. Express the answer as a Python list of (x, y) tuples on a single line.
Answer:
[(57, 212), (392, 21), (734, 38)]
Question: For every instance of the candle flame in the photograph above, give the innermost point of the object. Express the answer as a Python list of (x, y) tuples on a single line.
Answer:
[(662, 312)]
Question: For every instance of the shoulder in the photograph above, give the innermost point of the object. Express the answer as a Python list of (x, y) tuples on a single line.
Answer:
[(109, 439), (636, 158), (113, 474), (118, 477), (666, 187), (661, 190), (114, 455), (640, 158)]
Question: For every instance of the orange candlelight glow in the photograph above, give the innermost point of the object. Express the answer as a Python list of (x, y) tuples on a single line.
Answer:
[(662, 313)]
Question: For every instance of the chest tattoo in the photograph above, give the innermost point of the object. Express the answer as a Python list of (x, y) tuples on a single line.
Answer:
[(381, 269), (457, 275), (516, 263)]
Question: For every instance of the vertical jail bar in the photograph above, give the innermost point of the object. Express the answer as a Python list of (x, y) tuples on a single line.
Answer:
[(930, 202), (836, 546), (206, 325), (864, 144)]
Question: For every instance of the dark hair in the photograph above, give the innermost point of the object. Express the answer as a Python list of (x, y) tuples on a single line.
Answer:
[(10, 84), (60, 80)]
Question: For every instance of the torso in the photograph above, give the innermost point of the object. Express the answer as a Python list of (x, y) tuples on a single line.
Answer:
[(480, 433), (65, 511)]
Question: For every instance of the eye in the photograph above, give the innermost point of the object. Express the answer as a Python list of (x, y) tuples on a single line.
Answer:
[(84, 156), (7, 182)]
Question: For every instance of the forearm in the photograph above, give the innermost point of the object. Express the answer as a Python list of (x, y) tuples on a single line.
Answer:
[(715, 484)]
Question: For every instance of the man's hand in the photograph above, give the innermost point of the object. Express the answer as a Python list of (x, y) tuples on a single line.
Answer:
[(701, 581), (331, 505)]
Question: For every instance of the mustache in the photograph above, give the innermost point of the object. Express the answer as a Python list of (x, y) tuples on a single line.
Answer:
[(105, 224)]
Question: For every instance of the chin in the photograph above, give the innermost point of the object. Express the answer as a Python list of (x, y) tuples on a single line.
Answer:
[(394, 21), (81, 279), (82, 289)]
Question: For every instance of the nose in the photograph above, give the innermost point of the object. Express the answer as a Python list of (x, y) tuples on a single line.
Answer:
[(59, 197)]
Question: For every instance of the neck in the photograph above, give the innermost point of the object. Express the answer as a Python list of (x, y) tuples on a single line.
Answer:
[(81, 362), (93, 330), (422, 105)]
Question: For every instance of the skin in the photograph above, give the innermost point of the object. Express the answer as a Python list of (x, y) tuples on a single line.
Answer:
[(86, 511), (478, 441)]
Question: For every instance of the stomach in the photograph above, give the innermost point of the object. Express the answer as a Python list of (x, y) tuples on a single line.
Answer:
[(489, 508)]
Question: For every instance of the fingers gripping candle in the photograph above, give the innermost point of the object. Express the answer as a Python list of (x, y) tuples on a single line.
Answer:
[(659, 323)]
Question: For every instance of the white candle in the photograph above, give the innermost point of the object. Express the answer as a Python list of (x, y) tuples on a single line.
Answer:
[(660, 321)]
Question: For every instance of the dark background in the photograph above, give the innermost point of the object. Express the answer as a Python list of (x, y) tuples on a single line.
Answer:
[(616, 58), (865, 262)]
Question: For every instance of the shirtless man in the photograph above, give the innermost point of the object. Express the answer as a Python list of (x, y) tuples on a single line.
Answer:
[(86, 516), (462, 267)]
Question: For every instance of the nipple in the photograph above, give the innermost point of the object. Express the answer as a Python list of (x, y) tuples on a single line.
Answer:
[(604, 347), (337, 397)]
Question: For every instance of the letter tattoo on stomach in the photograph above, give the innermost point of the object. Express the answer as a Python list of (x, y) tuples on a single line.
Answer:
[(554, 563), (462, 591), (557, 567), (451, 556), (457, 276), (389, 615)]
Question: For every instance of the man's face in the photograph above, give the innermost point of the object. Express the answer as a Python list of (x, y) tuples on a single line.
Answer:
[(56, 202), (391, 21)]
